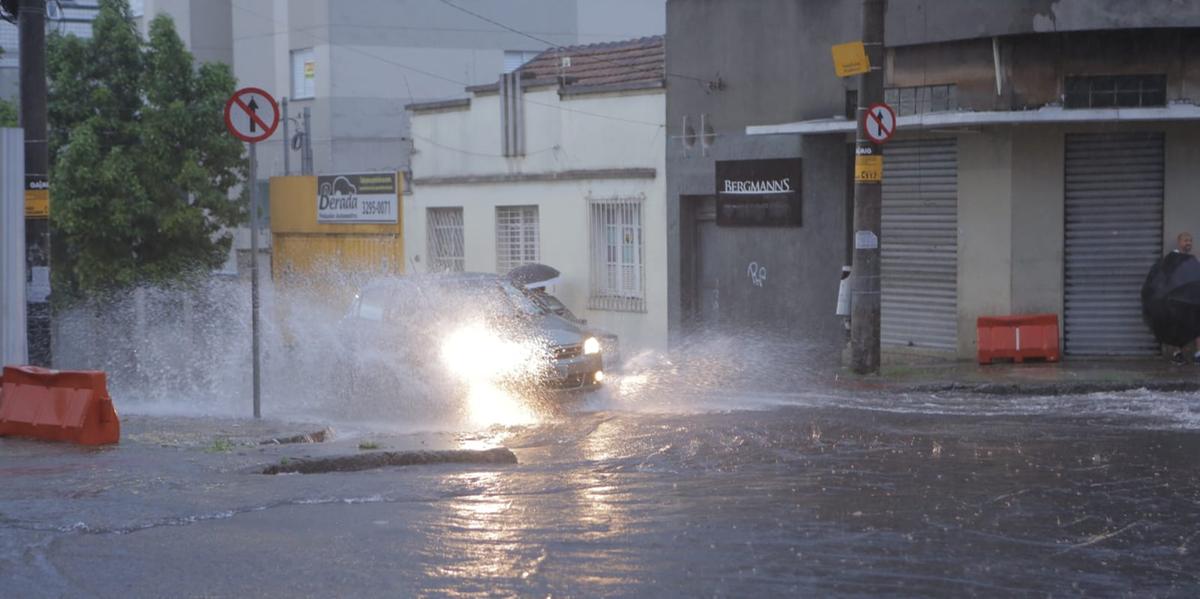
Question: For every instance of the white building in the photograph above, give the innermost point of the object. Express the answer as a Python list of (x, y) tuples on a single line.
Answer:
[(565, 169)]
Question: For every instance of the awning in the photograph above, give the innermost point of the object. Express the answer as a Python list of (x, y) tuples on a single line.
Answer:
[(941, 120)]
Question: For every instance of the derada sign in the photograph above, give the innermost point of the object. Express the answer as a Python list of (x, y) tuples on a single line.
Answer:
[(360, 198)]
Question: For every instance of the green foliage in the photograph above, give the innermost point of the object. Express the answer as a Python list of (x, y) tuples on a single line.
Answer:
[(368, 445), (220, 445), (8, 113), (142, 165)]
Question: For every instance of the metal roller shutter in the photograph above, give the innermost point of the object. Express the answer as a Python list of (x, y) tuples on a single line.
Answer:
[(919, 242), (1114, 213)]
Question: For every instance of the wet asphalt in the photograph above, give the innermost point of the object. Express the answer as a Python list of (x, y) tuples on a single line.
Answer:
[(646, 493)]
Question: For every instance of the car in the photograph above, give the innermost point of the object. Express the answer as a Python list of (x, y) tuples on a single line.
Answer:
[(610, 346), (477, 326)]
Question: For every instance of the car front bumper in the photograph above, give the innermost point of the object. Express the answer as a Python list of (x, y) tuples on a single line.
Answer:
[(578, 372)]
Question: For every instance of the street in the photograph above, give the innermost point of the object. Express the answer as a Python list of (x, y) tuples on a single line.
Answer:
[(633, 494)]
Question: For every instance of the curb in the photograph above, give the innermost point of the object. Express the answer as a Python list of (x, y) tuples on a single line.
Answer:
[(384, 459)]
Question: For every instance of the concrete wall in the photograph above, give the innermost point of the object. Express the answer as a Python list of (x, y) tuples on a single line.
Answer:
[(771, 57), (985, 225), (1033, 66), (920, 21)]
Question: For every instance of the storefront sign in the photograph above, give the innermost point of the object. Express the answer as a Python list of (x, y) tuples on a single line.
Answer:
[(759, 193), (351, 199)]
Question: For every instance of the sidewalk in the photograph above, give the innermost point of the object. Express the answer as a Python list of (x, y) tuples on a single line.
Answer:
[(1072, 376)]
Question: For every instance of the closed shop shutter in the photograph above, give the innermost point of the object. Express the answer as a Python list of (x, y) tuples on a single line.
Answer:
[(1114, 212), (919, 244)]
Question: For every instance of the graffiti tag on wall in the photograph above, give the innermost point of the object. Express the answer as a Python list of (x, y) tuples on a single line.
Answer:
[(757, 274)]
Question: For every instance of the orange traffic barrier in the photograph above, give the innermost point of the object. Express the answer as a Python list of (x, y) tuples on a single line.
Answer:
[(57, 405), (1019, 338)]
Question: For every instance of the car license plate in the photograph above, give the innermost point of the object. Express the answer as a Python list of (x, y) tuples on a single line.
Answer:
[(561, 371)]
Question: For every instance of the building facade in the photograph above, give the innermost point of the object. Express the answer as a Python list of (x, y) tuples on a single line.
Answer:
[(1041, 163), (561, 163)]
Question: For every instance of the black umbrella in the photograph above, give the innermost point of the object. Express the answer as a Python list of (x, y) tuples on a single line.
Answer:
[(533, 275), (1171, 299)]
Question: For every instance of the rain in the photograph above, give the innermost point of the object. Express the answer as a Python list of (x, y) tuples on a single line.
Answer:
[(579, 298)]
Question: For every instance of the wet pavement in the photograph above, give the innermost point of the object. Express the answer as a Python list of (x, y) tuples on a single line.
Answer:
[(637, 492)]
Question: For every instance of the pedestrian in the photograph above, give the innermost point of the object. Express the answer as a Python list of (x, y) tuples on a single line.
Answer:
[(1182, 253)]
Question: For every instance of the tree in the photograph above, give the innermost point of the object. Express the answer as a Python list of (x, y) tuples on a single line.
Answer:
[(141, 163)]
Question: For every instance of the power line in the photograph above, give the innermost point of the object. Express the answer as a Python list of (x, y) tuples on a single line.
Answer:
[(447, 79), (474, 153), (553, 45)]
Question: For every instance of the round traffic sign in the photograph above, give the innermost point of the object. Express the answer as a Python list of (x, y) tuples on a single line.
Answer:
[(879, 123), (247, 116)]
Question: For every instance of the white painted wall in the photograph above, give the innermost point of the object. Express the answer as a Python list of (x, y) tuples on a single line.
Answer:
[(573, 134)]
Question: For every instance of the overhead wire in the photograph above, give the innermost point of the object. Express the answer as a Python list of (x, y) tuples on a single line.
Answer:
[(444, 78), (558, 46)]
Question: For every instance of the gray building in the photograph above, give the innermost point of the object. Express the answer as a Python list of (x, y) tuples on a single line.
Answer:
[(73, 17), (1042, 164), (204, 26), (355, 64)]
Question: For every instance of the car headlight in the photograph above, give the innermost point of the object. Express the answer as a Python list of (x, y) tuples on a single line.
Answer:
[(591, 346)]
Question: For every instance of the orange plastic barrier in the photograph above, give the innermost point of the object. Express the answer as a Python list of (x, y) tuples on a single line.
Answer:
[(1018, 338), (57, 405)]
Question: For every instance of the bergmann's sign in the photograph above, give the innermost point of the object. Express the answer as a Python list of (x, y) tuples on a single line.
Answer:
[(351, 199), (759, 193)]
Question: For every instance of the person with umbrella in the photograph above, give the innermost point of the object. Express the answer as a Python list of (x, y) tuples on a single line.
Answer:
[(1171, 299)]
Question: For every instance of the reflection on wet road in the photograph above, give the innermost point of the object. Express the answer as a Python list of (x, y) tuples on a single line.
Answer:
[(803, 495)]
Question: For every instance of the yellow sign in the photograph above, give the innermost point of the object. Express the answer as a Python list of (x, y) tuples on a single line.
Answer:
[(868, 169), (850, 59), (310, 69), (37, 203)]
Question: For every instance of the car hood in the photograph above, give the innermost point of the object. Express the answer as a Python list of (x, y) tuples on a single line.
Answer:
[(558, 330)]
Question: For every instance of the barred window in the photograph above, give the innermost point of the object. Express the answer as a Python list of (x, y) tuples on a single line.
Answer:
[(517, 238), (1123, 91), (444, 237), (922, 99), (618, 274)]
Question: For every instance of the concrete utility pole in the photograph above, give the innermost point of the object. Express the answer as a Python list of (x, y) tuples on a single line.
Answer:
[(868, 197), (31, 22)]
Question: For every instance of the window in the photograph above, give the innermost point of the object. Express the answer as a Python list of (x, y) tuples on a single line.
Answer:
[(444, 235), (1120, 91), (517, 239), (922, 99), (513, 59), (618, 274), (304, 74)]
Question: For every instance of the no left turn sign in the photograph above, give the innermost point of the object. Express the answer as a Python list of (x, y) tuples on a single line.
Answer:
[(251, 114), (879, 123)]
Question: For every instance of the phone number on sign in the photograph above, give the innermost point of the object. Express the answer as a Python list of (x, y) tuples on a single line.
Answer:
[(377, 207)]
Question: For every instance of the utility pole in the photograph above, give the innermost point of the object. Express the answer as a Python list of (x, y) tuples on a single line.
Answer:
[(31, 23), (868, 197)]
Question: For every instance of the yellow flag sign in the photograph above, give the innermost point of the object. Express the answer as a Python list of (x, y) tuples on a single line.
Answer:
[(850, 59)]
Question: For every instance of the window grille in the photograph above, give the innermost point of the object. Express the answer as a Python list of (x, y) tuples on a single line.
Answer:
[(922, 99), (517, 237), (1121, 91), (617, 253), (444, 236), (304, 74)]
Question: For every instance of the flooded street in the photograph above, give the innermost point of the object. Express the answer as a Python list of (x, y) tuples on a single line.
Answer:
[(755, 494)]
